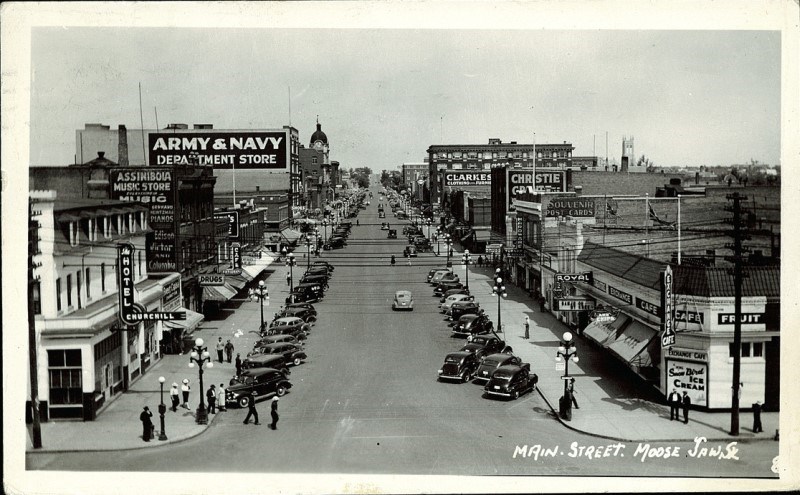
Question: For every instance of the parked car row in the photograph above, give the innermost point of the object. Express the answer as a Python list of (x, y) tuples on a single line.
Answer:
[(266, 369)]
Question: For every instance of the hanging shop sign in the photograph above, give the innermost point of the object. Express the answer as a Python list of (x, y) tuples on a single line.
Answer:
[(221, 150), (622, 296), (131, 312), (236, 260), (518, 240), (668, 319), (233, 222), (586, 277), (574, 304), (172, 295), (206, 279), (744, 318)]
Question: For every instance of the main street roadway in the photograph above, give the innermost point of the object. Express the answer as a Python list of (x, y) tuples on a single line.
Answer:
[(367, 401)]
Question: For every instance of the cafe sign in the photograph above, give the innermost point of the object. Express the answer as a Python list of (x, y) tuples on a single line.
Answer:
[(668, 318)]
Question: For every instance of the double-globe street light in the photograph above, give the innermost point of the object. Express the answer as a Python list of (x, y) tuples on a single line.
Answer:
[(200, 356), (499, 290), (566, 351), (448, 241), (262, 294), (162, 408), (291, 262), (466, 258)]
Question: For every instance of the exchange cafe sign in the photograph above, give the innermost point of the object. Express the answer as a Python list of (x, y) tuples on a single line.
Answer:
[(131, 312), (467, 178)]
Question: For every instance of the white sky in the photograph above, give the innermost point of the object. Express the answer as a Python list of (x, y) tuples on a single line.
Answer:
[(385, 95)]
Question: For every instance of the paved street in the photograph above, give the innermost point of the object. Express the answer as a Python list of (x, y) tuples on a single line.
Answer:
[(367, 400)]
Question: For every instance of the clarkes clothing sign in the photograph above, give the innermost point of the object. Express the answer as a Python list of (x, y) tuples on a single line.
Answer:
[(467, 178)]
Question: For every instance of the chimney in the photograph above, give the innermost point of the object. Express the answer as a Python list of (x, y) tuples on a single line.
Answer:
[(123, 146)]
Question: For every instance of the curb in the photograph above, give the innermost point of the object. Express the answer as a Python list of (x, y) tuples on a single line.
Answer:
[(653, 440), (141, 447)]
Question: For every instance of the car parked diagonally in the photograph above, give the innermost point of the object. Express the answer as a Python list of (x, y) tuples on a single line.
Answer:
[(459, 366), (491, 362), (511, 381), (263, 381)]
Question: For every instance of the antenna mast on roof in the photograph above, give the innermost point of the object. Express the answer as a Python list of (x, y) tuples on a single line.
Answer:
[(141, 120)]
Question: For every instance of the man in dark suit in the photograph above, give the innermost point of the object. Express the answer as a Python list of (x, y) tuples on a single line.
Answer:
[(674, 400), (274, 413), (251, 410), (147, 423), (686, 403)]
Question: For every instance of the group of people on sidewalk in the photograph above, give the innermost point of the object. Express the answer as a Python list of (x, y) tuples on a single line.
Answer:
[(676, 401), (252, 412)]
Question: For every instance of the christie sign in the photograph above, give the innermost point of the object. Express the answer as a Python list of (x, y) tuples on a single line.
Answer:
[(467, 178), (222, 150), (523, 181)]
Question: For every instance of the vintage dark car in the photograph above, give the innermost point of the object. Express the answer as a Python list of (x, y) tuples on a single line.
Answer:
[(459, 366), (384, 226), (305, 314), (413, 239), (303, 295), (289, 326), (511, 381), (461, 308), (432, 272), (314, 287), (321, 280), (290, 352), (493, 361), (423, 245), (276, 339), (392, 234), (323, 263), (443, 287), (484, 345), (448, 300), (319, 270), (299, 305), (410, 251), (256, 383), (257, 359), (403, 300), (440, 274), (411, 230), (337, 242), (381, 214)]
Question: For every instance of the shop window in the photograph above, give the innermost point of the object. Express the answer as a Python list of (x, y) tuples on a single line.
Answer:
[(64, 369), (78, 287), (138, 265), (37, 298), (69, 291), (88, 285), (746, 349), (103, 278), (758, 349)]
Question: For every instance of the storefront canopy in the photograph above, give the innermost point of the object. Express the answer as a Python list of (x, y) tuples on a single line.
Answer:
[(258, 265), (605, 332), (631, 342), (219, 293), (291, 236), (193, 319)]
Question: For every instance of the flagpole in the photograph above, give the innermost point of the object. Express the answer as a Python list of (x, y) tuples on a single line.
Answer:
[(646, 223), (679, 229)]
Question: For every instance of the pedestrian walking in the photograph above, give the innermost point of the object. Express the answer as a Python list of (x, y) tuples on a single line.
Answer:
[(674, 400), (572, 393), (527, 328), (288, 279), (357, 222), (229, 350), (185, 389), (757, 417), (408, 257), (221, 400), (274, 412), (392, 261), (541, 304), (147, 423), (220, 349), (251, 410), (686, 403), (211, 398), (238, 364), (174, 394)]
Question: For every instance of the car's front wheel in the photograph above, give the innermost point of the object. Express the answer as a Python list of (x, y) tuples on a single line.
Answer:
[(244, 401), (465, 376), (280, 391), (297, 361), (516, 394)]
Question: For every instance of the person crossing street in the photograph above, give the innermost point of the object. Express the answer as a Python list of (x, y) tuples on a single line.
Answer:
[(274, 412), (527, 328), (220, 349), (251, 410), (174, 394), (229, 350)]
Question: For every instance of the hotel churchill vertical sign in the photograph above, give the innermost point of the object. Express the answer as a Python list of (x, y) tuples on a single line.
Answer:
[(131, 312)]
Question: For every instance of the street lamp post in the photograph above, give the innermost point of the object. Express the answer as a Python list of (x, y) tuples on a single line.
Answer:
[(428, 224), (308, 256), (566, 351), (466, 259), (162, 409), (499, 290), (200, 356), (438, 235), (325, 227), (291, 262), (448, 241), (262, 293)]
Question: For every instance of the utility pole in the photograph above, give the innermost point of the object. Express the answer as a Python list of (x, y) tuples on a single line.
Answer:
[(737, 259), (33, 249)]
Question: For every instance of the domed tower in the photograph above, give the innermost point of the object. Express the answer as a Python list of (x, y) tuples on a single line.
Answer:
[(319, 141)]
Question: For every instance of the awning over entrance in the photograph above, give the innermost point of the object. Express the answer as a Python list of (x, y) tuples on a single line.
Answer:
[(237, 281), (291, 235), (605, 332), (193, 319), (258, 265), (632, 341), (219, 293), (483, 235)]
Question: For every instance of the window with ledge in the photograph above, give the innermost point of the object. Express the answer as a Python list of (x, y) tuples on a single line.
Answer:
[(69, 291), (748, 350), (103, 278), (88, 285), (73, 233), (78, 287), (58, 294), (36, 289)]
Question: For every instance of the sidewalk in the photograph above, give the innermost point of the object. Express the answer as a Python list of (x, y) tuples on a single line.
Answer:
[(117, 427), (614, 403)]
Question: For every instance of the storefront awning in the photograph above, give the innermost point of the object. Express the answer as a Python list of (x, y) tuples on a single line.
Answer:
[(632, 341), (237, 281), (193, 319), (605, 332), (258, 265), (291, 235), (483, 235), (219, 293), (467, 236)]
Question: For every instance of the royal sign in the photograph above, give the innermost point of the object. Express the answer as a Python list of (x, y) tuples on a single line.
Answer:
[(221, 150), (466, 178), (586, 277)]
